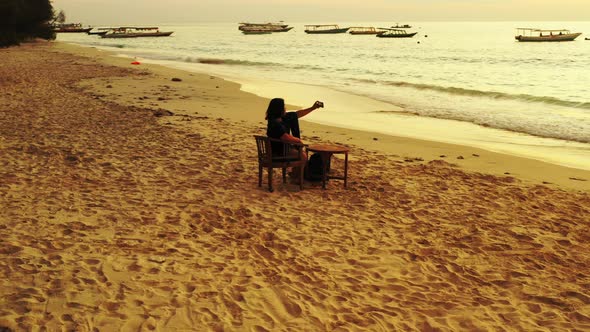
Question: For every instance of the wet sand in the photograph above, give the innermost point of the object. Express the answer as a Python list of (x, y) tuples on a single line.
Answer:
[(130, 202)]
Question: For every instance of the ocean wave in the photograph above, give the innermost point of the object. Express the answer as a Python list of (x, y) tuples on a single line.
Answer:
[(486, 94), (99, 44), (563, 130), (217, 61)]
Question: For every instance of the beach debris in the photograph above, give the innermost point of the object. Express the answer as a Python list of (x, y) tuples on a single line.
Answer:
[(217, 87), (442, 156), (506, 173), (176, 79), (475, 155), (578, 179), (109, 86), (72, 159), (375, 139), (411, 160), (136, 63), (440, 163), (157, 259), (162, 112), (460, 157)]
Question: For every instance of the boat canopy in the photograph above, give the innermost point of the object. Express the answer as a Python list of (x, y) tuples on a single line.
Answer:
[(322, 26), (524, 31), (362, 28), (391, 31)]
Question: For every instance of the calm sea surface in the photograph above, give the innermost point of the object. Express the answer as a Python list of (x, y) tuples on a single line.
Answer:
[(474, 73)]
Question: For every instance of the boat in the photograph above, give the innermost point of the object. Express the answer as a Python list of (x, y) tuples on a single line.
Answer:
[(398, 26), (364, 31), (541, 35), (264, 28), (271, 27), (587, 38), (99, 31), (395, 33), (134, 32), (70, 27), (247, 24), (256, 32), (324, 28)]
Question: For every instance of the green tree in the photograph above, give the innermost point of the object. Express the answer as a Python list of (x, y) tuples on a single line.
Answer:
[(60, 17), (23, 20)]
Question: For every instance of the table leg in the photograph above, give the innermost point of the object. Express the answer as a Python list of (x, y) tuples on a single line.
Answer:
[(325, 158), (345, 168)]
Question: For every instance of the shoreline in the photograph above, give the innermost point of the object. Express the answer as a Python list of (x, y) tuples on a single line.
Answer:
[(130, 202), (473, 159), (365, 112)]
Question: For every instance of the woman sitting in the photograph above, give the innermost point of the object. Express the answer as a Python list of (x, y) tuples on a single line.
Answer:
[(284, 126)]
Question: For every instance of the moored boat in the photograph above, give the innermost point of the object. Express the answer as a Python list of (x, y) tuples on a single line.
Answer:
[(396, 33), (134, 32), (271, 27), (256, 32), (364, 31), (99, 31), (543, 35), (324, 28), (264, 28), (70, 27), (247, 24), (401, 26)]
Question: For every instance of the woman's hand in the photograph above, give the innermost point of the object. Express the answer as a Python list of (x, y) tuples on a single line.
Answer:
[(318, 104)]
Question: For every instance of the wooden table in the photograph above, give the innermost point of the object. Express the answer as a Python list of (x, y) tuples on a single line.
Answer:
[(326, 151)]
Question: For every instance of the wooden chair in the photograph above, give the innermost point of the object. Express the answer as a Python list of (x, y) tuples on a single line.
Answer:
[(266, 159)]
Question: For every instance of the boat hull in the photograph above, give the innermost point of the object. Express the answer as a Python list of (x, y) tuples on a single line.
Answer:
[(262, 30), (136, 35), (365, 32), (99, 33), (550, 38), (277, 26), (328, 31), (398, 35), (73, 30), (255, 32)]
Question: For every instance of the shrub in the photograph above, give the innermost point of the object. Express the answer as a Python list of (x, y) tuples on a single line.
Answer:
[(22, 20)]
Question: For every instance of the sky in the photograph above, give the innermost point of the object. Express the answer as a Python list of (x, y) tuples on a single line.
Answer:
[(96, 12)]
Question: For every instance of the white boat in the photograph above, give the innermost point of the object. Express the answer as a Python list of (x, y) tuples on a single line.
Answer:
[(262, 27), (324, 29), (395, 33), (542, 35), (364, 31), (70, 27), (134, 32)]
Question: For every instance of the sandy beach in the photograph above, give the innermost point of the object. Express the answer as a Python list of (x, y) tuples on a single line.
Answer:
[(129, 201)]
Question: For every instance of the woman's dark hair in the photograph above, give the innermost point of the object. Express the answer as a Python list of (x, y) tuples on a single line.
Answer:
[(275, 109)]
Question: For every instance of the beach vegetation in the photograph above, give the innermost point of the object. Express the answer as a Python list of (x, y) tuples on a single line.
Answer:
[(24, 20), (60, 17)]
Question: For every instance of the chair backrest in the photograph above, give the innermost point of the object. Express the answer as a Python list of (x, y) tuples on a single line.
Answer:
[(264, 148)]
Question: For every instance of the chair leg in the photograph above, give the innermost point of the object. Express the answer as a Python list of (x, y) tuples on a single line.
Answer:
[(270, 179), (301, 169), (259, 175), (284, 175)]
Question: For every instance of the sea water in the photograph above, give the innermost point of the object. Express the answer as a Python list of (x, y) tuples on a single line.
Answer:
[(469, 83)]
